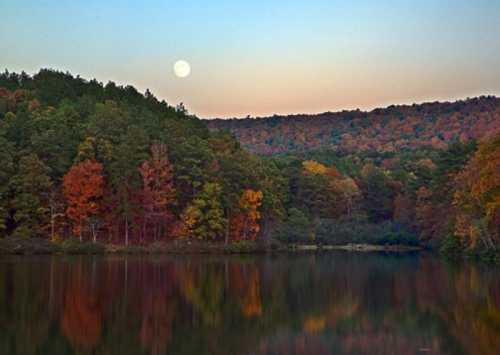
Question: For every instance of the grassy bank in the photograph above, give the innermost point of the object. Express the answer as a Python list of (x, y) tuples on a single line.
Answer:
[(28, 246)]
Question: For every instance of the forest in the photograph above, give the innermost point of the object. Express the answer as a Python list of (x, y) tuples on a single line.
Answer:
[(107, 164), (391, 129)]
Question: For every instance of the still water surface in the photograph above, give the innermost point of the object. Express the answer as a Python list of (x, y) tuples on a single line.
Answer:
[(334, 303)]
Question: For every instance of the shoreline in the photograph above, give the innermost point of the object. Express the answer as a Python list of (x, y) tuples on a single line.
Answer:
[(374, 247), (34, 246)]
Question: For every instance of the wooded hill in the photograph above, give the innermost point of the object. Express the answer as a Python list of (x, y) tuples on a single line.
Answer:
[(108, 164), (390, 129)]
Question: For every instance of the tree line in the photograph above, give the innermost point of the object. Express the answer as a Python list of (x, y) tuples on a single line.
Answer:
[(391, 129), (106, 163)]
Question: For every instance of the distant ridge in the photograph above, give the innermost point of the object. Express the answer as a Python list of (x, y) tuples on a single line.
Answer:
[(434, 124)]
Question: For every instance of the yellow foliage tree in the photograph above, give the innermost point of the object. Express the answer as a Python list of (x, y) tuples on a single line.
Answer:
[(348, 192), (477, 198), (245, 225), (315, 168)]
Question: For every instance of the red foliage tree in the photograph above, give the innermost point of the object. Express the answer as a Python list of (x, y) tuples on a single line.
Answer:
[(158, 190), (83, 187)]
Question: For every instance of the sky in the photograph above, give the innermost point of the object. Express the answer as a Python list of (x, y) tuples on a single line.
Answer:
[(261, 57)]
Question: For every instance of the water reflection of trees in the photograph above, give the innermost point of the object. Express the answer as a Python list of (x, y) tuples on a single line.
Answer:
[(81, 320), (346, 303)]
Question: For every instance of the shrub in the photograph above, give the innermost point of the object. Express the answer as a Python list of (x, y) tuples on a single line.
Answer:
[(296, 229), (451, 246), (74, 246), (12, 245), (242, 246), (359, 230)]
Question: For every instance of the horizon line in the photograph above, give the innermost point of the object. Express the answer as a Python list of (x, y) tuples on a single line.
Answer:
[(368, 109), (362, 110)]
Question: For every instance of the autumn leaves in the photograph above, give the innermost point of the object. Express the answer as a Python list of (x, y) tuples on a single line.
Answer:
[(106, 163), (83, 187), (204, 218), (477, 198)]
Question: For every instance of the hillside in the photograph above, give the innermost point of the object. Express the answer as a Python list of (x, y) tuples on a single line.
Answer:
[(383, 130), (108, 164)]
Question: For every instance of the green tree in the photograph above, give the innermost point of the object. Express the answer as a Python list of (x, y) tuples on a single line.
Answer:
[(124, 176), (315, 195), (7, 158), (274, 186), (55, 138), (378, 195), (204, 217), (193, 160), (32, 187), (297, 228)]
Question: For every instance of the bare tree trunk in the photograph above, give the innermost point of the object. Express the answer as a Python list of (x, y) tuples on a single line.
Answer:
[(143, 236), (93, 273), (265, 230), (126, 275), (94, 235), (245, 227), (52, 222), (126, 230), (226, 239), (226, 274)]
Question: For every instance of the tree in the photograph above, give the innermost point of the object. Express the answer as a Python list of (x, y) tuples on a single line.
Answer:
[(274, 186), (348, 195), (425, 215), (192, 160), (311, 190), (235, 171), (245, 224), (404, 210), (204, 217), (477, 198), (105, 128), (56, 135), (32, 187), (6, 173), (449, 162), (83, 187), (314, 167), (378, 196), (125, 178), (297, 227), (158, 189)]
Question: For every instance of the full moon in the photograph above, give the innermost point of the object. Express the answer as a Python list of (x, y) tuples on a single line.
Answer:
[(182, 68)]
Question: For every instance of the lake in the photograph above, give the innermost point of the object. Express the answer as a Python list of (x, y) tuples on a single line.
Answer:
[(330, 303)]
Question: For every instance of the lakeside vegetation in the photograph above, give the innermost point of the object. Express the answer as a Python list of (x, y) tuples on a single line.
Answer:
[(105, 164)]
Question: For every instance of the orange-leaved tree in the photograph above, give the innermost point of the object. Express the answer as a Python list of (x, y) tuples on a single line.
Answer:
[(158, 189), (477, 198), (83, 187), (245, 225)]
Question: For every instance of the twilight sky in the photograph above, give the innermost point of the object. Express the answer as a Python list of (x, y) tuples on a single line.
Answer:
[(262, 57)]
